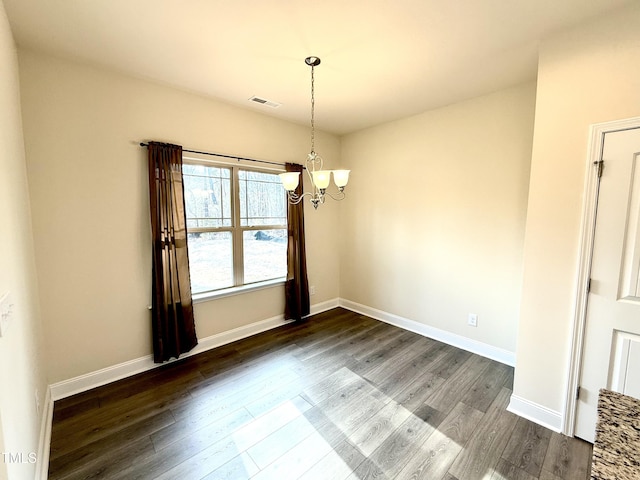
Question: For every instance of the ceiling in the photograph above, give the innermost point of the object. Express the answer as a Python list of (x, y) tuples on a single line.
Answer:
[(381, 59)]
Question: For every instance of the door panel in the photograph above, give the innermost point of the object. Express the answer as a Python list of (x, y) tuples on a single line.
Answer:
[(630, 284), (613, 312)]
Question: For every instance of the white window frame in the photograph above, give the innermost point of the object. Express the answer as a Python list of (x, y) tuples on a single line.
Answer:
[(237, 232)]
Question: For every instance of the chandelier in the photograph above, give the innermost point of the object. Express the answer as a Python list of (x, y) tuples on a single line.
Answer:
[(319, 178)]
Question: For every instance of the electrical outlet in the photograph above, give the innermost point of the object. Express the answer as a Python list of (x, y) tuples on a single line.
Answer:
[(472, 320), (312, 290)]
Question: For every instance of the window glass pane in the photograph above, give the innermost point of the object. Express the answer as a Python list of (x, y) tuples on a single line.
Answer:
[(265, 254), (262, 199), (210, 261), (207, 193)]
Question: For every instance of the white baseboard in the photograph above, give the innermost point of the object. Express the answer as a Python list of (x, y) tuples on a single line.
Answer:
[(129, 368), (324, 306), (85, 382), (44, 442), (473, 346), (536, 413)]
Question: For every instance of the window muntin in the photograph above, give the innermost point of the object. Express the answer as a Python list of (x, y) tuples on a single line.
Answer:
[(236, 222)]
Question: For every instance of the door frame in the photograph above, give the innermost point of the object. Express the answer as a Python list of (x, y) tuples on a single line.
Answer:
[(597, 134)]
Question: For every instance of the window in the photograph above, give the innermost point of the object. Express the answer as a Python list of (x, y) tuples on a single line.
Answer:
[(236, 225)]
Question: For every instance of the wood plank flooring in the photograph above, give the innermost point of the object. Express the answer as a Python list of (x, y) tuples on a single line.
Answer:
[(338, 396)]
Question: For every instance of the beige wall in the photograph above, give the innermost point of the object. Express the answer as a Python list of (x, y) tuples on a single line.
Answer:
[(434, 223), (587, 75), (20, 362), (88, 184)]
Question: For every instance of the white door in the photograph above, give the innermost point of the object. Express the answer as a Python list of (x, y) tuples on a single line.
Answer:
[(611, 353)]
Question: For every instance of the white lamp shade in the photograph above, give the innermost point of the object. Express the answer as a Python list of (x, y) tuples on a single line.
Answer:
[(321, 178), (341, 177), (290, 180)]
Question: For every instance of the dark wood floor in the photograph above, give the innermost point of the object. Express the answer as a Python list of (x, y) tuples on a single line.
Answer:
[(340, 396)]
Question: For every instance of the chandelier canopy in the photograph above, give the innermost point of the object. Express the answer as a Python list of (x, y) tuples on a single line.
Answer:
[(318, 177)]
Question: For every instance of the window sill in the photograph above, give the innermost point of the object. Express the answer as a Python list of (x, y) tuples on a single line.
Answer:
[(228, 292)]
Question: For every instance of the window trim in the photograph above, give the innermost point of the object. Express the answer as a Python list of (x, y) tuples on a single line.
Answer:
[(232, 291), (237, 231)]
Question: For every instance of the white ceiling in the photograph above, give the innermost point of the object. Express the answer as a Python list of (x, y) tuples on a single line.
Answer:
[(381, 59)]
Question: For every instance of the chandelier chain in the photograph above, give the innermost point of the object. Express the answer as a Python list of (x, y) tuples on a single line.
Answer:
[(313, 103)]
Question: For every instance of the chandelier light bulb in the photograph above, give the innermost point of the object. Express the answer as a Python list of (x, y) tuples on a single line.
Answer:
[(290, 180), (321, 178), (341, 178)]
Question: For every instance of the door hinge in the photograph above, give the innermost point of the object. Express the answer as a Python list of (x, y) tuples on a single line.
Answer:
[(588, 285), (578, 392), (600, 165)]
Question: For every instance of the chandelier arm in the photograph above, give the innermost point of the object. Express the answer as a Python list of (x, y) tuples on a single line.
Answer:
[(295, 199), (310, 169), (340, 196)]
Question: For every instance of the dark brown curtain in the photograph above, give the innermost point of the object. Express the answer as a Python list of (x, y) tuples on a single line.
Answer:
[(297, 303), (173, 325)]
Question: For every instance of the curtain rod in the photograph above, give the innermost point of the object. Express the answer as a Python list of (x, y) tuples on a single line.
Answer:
[(233, 157)]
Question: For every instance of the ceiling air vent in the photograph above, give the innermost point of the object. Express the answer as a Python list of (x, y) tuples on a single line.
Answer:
[(263, 101)]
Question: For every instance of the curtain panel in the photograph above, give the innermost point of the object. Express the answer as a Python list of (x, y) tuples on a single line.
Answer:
[(173, 325), (297, 304)]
